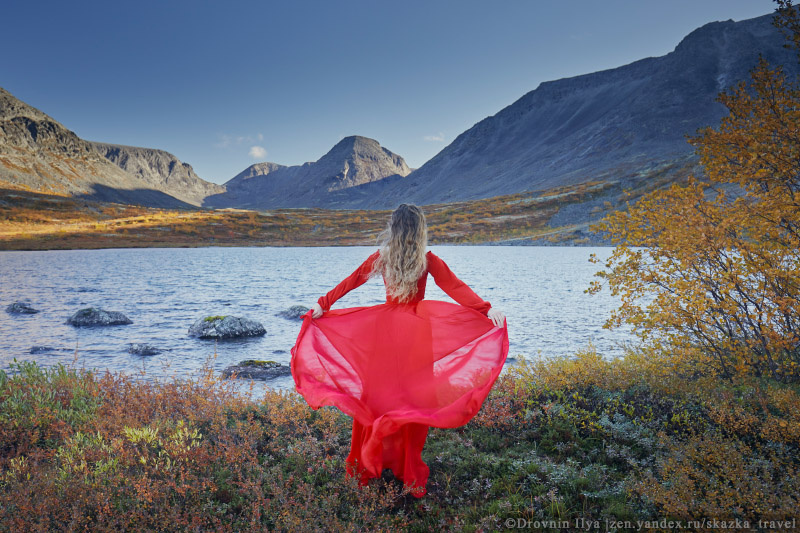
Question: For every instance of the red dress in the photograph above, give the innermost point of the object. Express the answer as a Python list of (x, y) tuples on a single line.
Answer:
[(398, 368)]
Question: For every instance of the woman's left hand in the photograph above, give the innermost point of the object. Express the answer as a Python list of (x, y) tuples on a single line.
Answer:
[(497, 317), (316, 311)]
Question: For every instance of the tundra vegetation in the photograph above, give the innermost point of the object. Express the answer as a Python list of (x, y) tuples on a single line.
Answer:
[(33, 221)]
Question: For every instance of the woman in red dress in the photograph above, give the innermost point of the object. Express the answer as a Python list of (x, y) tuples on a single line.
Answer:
[(403, 366)]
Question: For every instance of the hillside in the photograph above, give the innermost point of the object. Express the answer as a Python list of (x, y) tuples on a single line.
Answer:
[(40, 154), (610, 125), (160, 170)]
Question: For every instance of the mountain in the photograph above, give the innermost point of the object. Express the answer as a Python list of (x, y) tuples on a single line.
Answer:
[(353, 162), (160, 170), (39, 153), (253, 171), (614, 124)]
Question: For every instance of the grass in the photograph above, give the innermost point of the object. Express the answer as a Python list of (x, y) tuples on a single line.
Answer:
[(576, 440), (36, 221)]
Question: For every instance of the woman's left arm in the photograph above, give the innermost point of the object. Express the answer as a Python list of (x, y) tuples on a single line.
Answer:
[(460, 291)]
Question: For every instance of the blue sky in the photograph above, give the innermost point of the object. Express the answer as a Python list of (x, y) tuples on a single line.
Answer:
[(223, 85)]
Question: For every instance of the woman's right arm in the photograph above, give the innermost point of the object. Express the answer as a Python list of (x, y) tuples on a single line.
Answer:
[(356, 279)]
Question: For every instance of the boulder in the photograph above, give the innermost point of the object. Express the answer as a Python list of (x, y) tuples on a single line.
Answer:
[(226, 327), (92, 316), (262, 370), (136, 348), (295, 312), (19, 308), (40, 349)]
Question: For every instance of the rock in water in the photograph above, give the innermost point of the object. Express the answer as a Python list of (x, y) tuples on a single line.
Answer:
[(226, 327), (136, 348), (40, 349), (295, 312), (92, 316), (257, 370), (19, 308)]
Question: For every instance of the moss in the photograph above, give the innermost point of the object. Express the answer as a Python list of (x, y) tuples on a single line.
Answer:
[(262, 364), (213, 318)]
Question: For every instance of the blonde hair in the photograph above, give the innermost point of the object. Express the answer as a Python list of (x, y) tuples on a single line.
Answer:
[(402, 255)]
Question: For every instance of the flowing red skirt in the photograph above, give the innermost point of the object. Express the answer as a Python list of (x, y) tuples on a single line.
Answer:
[(398, 369)]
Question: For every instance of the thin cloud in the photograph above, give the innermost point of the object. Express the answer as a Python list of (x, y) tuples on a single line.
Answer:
[(226, 141), (435, 138), (258, 152)]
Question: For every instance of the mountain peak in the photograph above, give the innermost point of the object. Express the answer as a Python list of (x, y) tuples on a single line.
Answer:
[(253, 171), (11, 107), (353, 161), (355, 143)]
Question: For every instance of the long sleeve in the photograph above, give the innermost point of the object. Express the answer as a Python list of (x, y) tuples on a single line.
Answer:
[(454, 287), (356, 279)]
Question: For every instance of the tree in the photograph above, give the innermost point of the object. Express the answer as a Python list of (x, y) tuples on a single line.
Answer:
[(711, 269)]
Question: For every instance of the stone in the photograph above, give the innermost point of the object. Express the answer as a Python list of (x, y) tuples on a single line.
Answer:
[(226, 327), (295, 312), (93, 316), (262, 370), (19, 308), (136, 348), (40, 349)]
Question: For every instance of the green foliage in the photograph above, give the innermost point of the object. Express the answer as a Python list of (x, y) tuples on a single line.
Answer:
[(39, 405)]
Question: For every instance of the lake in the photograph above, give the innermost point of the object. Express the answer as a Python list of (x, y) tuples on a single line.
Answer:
[(164, 290)]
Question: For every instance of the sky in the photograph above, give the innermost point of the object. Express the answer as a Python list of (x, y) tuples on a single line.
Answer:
[(223, 85)]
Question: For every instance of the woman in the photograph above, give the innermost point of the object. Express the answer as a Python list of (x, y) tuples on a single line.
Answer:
[(400, 367)]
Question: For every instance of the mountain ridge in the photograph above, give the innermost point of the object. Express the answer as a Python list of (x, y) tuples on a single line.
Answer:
[(611, 123), (160, 170), (39, 153)]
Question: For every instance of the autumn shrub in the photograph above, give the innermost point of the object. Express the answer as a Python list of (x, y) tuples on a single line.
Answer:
[(113, 453), (711, 269)]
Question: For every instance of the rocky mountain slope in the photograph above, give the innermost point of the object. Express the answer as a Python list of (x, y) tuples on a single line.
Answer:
[(353, 162), (615, 124), (39, 153), (160, 170)]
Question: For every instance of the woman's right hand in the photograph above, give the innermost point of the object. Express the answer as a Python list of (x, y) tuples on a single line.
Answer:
[(316, 311), (497, 317)]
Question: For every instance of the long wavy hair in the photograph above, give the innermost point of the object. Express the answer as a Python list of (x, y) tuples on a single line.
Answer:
[(402, 254)]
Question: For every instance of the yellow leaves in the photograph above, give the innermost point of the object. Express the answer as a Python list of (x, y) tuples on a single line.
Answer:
[(696, 268)]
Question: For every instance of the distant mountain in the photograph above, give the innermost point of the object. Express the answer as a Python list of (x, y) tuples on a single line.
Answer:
[(39, 153), (354, 161), (615, 124), (253, 171), (160, 170)]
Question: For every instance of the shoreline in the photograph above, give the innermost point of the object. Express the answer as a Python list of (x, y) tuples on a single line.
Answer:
[(532, 244)]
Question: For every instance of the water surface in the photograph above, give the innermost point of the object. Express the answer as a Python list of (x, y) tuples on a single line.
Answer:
[(164, 290)]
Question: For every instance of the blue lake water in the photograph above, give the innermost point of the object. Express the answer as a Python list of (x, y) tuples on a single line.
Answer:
[(163, 291)]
